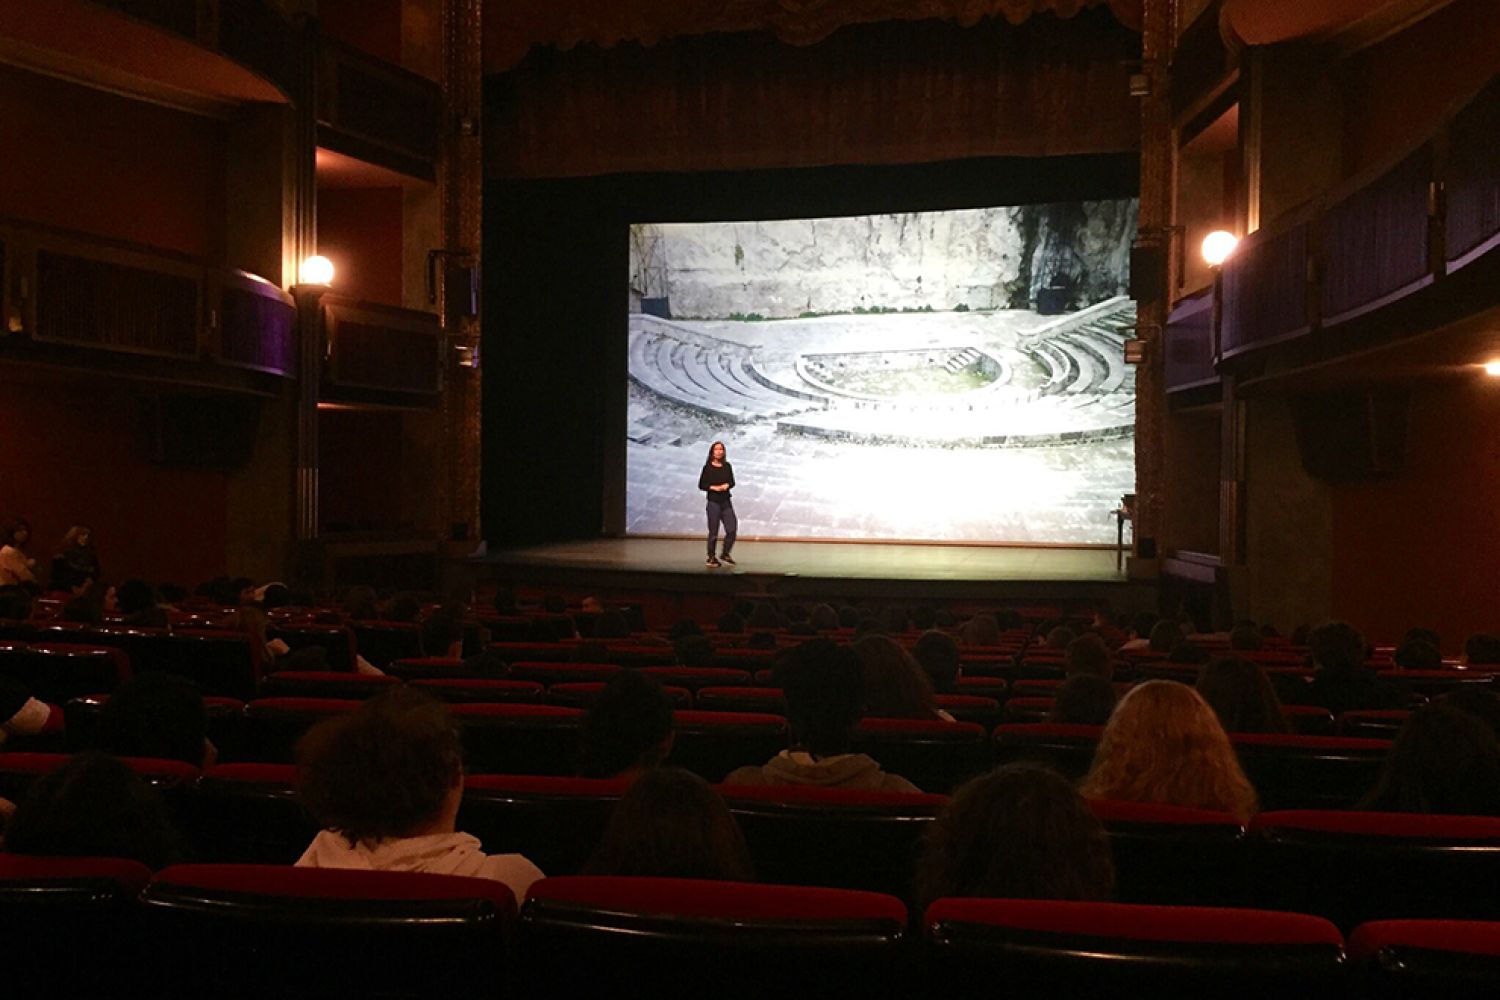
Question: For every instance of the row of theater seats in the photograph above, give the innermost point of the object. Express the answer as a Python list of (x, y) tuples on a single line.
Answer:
[(258, 931), (1289, 771), (1348, 867)]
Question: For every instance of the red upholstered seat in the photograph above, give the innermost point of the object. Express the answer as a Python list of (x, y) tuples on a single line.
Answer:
[(1175, 855), (582, 694), (222, 663), (1123, 950), (711, 744), (1357, 866), (336, 641), (983, 711), (742, 699), (630, 654), (562, 673), (519, 738), (56, 671), (555, 821), (54, 911), (1382, 723), (840, 837), (1309, 720), (273, 725), (680, 937), (1028, 709), (482, 689), (382, 642), (249, 813), (1067, 747), (694, 678), (251, 930), (1298, 772), (1447, 959), (532, 652), (936, 756), (325, 684)]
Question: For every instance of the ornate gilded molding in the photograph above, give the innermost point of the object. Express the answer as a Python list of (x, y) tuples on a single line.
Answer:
[(511, 31)]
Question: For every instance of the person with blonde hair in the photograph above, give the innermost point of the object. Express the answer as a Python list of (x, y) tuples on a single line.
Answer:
[(1164, 744)]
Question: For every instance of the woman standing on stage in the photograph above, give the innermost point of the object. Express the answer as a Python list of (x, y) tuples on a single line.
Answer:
[(716, 480)]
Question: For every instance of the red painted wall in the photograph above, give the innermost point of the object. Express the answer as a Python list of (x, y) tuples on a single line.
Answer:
[(71, 452), (359, 229), (1423, 549), (82, 159)]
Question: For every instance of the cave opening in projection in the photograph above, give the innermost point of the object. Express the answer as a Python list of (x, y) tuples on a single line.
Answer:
[(936, 376)]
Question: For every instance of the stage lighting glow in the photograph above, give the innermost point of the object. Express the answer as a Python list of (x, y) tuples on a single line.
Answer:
[(316, 270), (1217, 246), (1492, 368)]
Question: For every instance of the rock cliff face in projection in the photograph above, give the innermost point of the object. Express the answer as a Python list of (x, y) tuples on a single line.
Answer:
[(1052, 258)]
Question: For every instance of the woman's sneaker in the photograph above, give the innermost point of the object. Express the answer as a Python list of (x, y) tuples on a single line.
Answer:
[(727, 558), (712, 563)]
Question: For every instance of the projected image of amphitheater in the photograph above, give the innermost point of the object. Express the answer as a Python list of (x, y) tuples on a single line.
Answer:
[(928, 377)]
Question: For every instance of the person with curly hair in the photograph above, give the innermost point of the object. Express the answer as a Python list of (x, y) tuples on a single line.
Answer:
[(1164, 744), (672, 824), (385, 782), (1020, 832)]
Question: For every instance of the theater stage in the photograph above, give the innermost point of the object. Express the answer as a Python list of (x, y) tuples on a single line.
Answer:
[(826, 569)]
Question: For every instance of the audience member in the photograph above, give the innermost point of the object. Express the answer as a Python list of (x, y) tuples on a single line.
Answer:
[(1164, 744), (1019, 832), (825, 618), (628, 729), (849, 616), (1165, 636), (1083, 700), (897, 620), (76, 562), (694, 651), (731, 624), (139, 606), (761, 640), (442, 636), (937, 654), (1425, 634), (1189, 653), (895, 685), (156, 714), (1417, 654), (16, 567), (361, 605), (276, 595), (1482, 649), (401, 608), (1088, 654), (824, 700), (385, 782), (611, 625), (868, 626), (765, 616), (1245, 638), (91, 606), (1140, 632), (1443, 761), (672, 824), (1341, 681), (1241, 696), (1479, 702), (15, 603), (1058, 638), (923, 617), (20, 713), (94, 806), (980, 630), (684, 627)]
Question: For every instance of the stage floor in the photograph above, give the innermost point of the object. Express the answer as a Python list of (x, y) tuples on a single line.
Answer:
[(818, 567)]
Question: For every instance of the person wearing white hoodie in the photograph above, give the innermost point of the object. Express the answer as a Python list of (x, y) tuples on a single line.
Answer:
[(824, 692), (385, 782)]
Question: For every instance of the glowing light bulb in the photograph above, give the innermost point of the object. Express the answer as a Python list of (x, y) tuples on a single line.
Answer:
[(1492, 368), (1217, 246), (316, 270)]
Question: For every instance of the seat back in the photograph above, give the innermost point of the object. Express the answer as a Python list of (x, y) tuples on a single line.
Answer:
[(336, 641), (274, 725), (270, 930), (742, 698), (324, 684), (249, 814), (1046, 947), (1175, 855), (1421, 959), (711, 744), (481, 689), (673, 938), (561, 673), (519, 739), (382, 642), (1309, 772), (837, 837), (50, 907), (556, 822), (694, 678), (56, 671), (935, 756), (1356, 866), (582, 694), (222, 663), (1068, 749)]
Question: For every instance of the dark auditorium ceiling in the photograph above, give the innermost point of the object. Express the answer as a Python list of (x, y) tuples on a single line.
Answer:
[(513, 29)]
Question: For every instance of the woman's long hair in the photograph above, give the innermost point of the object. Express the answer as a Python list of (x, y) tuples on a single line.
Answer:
[(710, 459), (1164, 744), (896, 687), (1021, 832), (672, 824), (71, 539), (1241, 696), (1443, 761)]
